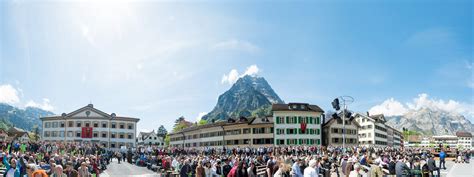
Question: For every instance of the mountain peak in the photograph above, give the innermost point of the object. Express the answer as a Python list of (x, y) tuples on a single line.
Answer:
[(248, 96)]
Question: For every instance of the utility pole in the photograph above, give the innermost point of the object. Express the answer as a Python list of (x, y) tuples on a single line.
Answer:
[(336, 105)]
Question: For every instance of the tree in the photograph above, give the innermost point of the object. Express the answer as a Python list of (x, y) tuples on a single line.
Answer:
[(167, 140), (202, 122), (35, 130), (162, 132), (180, 124)]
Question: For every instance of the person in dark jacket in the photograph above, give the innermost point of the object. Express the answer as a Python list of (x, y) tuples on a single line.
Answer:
[(432, 165), (226, 168), (185, 169), (391, 166), (401, 169)]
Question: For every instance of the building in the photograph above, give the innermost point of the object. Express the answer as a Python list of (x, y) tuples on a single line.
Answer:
[(450, 141), (240, 132), (373, 130), (90, 125), (297, 124), (150, 138), (394, 137), (464, 140), (332, 132), (19, 134)]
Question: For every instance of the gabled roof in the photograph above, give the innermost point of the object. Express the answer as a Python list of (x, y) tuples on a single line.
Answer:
[(89, 109), (15, 131), (299, 107), (145, 135), (332, 120), (379, 117), (463, 134)]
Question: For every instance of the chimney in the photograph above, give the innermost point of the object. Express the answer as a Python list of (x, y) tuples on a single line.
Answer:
[(368, 114)]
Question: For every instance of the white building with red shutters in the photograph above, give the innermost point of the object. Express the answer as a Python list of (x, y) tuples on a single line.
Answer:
[(90, 125)]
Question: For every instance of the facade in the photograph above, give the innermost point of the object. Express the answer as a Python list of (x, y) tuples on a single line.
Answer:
[(18, 134), (297, 124), (446, 140), (241, 132), (90, 125), (464, 140), (150, 138), (373, 130), (332, 132)]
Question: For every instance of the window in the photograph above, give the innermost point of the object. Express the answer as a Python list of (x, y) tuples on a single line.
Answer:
[(114, 124), (104, 135), (95, 134), (104, 124), (129, 136), (280, 120), (61, 124), (61, 133), (96, 124), (78, 124), (112, 135), (47, 124), (112, 145), (87, 124), (47, 133), (55, 124), (280, 131), (69, 134), (154, 138), (78, 134), (246, 130), (130, 126), (122, 136), (70, 124), (122, 126)]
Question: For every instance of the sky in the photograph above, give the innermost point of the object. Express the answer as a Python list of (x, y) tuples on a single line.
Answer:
[(159, 60)]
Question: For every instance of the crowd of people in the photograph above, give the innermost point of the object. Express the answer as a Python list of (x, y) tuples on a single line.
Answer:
[(297, 161), (53, 159), (87, 160)]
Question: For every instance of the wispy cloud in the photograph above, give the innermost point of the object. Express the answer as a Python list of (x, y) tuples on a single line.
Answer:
[(233, 75), (392, 107), (431, 37), (200, 115), (8, 94), (45, 105), (237, 45)]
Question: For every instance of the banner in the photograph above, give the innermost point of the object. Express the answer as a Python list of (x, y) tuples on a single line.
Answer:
[(303, 127), (86, 132)]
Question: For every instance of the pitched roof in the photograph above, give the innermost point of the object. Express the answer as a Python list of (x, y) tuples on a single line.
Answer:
[(331, 120), (298, 107), (253, 120), (463, 134)]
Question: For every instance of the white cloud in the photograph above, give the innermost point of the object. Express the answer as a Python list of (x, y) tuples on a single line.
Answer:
[(390, 107), (234, 75), (8, 94), (45, 105), (238, 45), (200, 115), (393, 107), (230, 78)]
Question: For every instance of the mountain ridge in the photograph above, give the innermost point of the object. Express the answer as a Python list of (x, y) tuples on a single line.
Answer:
[(430, 121), (248, 96), (24, 118)]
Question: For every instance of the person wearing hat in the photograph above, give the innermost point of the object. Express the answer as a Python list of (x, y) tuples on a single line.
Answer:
[(310, 171), (70, 171)]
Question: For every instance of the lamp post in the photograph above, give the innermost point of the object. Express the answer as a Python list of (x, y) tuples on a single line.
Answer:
[(63, 115), (112, 116), (345, 101)]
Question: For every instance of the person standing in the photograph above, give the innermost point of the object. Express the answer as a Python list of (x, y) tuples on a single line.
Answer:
[(310, 171), (432, 166), (442, 158), (296, 168)]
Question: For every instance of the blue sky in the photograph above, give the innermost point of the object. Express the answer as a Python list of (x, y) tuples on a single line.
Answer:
[(159, 60)]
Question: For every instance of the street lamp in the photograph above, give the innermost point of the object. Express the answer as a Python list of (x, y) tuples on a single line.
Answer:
[(112, 116), (336, 105), (63, 115)]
